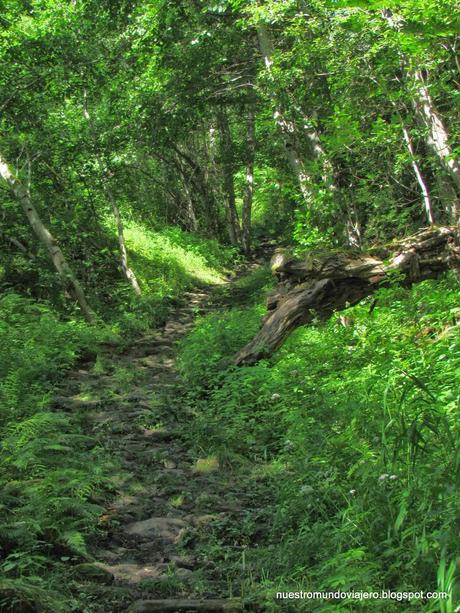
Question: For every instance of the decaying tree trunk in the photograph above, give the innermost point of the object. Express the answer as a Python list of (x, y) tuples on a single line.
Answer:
[(22, 193), (317, 287)]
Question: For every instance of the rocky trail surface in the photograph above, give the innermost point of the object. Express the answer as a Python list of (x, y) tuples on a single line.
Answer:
[(169, 504)]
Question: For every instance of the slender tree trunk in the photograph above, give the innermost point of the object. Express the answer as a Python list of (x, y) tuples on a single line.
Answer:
[(249, 186), (127, 271), (318, 154), (22, 194), (20, 246), (418, 174), (353, 226), (198, 179), (438, 136), (286, 127), (192, 221), (191, 216), (227, 170)]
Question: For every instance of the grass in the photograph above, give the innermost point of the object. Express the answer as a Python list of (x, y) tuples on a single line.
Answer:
[(167, 262)]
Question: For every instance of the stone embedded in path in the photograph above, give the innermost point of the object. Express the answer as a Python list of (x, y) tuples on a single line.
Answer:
[(180, 562), (189, 606), (167, 528), (133, 573)]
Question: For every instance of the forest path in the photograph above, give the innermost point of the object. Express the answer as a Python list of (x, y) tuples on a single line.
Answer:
[(152, 555)]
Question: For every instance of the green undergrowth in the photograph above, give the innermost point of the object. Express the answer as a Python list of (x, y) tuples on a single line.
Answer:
[(52, 475), (355, 429)]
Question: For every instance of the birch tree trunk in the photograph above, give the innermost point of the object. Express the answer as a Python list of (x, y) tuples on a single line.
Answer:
[(69, 280), (127, 271), (438, 136), (249, 187), (227, 169), (418, 174), (286, 128)]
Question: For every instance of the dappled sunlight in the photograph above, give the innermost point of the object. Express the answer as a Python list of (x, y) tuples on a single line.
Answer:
[(165, 261)]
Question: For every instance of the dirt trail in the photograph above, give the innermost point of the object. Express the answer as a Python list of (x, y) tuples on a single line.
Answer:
[(166, 502)]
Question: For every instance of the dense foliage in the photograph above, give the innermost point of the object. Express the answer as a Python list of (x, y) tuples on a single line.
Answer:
[(47, 507), (149, 147), (331, 121)]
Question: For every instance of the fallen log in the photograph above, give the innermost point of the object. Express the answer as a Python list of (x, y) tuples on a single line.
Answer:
[(316, 287)]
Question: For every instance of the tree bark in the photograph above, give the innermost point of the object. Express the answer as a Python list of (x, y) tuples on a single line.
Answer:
[(438, 136), (22, 194), (418, 174), (127, 271), (249, 187), (286, 128), (227, 170), (317, 287)]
